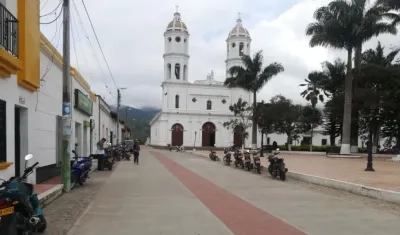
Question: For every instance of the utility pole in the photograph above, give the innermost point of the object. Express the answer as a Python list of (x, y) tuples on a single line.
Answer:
[(67, 107), (118, 104)]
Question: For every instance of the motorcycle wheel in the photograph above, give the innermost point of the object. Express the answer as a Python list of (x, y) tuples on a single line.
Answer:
[(272, 172), (110, 166), (282, 175), (44, 224), (73, 181)]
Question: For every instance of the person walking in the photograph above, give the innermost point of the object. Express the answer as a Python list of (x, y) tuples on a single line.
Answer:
[(136, 150)]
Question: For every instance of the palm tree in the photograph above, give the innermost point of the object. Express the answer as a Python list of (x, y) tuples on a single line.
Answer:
[(315, 88), (347, 25), (314, 92), (376, 58), (252, 77)]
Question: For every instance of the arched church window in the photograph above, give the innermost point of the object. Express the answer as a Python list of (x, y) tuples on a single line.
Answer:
[(241, 49), (177, 101), (233, 45), (184, 72), (177, 71), (209, 105), (178, 39), (169, 71)]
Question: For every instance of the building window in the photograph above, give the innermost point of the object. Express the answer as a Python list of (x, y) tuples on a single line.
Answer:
[(169, 39), (178, 39), (324, 142), (209, 105), (177, 101), (3, 134), (233, 45), (169, 71), (241, 49), (177, 71)]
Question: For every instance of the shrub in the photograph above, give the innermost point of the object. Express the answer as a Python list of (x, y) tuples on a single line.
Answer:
[(324, 148)]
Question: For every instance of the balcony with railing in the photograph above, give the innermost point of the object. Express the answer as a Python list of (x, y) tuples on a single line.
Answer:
[(8, 31), (9, 53)]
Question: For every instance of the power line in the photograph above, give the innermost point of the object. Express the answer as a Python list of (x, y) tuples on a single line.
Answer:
[(53, 11), (54, 19), (98, 42), (91, 46)]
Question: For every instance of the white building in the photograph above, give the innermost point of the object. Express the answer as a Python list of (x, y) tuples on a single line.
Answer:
[(194, 113), (31, 98)]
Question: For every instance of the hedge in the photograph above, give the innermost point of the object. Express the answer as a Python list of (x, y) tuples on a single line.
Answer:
[(307, 148)]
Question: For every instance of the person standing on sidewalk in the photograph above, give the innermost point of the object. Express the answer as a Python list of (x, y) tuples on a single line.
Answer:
[(136, 150)]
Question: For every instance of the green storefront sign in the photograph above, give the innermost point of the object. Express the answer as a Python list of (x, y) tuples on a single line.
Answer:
[(83, 103)]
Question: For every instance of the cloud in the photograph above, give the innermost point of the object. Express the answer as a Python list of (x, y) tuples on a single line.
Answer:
[(131, 35)]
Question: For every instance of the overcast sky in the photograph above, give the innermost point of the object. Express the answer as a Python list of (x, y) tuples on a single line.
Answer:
[(131, 36)]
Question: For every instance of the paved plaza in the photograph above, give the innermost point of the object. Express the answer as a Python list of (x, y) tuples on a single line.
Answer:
[(173, 193), (386, 176)]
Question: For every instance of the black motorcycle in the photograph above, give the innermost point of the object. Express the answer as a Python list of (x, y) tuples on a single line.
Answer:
[(247, 161), (230, 149), (277, 166), (256, 164), (238, 159), (227, 159), (213, 156)]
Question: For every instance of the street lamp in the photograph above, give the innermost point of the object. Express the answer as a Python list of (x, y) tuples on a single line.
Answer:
[(369, 146)]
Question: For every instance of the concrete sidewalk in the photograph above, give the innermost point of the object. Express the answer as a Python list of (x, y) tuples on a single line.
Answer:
[(176, 193)]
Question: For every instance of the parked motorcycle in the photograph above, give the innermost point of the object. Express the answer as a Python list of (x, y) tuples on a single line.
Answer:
[(256, 163), (169, 147), (247, 160), (230, 149), (80, 169), (227, 159), (20, 212), (277, 166), (213, 155), (238, 159), (180, 149), (126, 154), (108, 158)]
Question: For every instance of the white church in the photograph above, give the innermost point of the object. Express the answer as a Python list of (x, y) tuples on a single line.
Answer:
[(193, 114)]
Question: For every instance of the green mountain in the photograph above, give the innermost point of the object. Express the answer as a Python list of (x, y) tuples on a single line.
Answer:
[(137, 120)]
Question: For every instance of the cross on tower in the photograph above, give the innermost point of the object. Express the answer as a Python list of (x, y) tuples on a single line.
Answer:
[(177, 8), (239, 14)]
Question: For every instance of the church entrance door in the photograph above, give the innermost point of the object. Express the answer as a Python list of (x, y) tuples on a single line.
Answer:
[(208, 134), (237, 137), (177, 135)]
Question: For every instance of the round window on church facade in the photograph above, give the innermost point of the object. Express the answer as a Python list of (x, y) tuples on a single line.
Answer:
[(233, 44), (223, 101), (169, 39), (184, 40), (178, 39), (194, 100)]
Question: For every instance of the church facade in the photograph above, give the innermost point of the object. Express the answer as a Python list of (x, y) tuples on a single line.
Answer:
[(193, 114)]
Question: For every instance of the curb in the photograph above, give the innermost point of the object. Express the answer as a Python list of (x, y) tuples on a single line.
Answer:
[(52, 194), (381, 194), (359, 189)]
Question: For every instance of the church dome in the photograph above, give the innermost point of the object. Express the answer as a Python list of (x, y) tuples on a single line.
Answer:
[(239, 30), (177, 24)]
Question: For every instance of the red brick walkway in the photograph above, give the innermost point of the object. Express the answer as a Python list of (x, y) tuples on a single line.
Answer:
[(46, 185), (241, 217)]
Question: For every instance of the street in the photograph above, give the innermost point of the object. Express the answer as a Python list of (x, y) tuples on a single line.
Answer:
[(177, 193)]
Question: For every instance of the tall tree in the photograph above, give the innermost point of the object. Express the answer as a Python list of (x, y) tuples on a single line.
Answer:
[(344, 24), (334, 86), (378, 82), (252, 77), (289, 121), (314, 92), (242, 118), (265, 119)]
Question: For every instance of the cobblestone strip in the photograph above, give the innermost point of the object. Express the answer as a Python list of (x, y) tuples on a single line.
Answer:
[(62, 213)]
